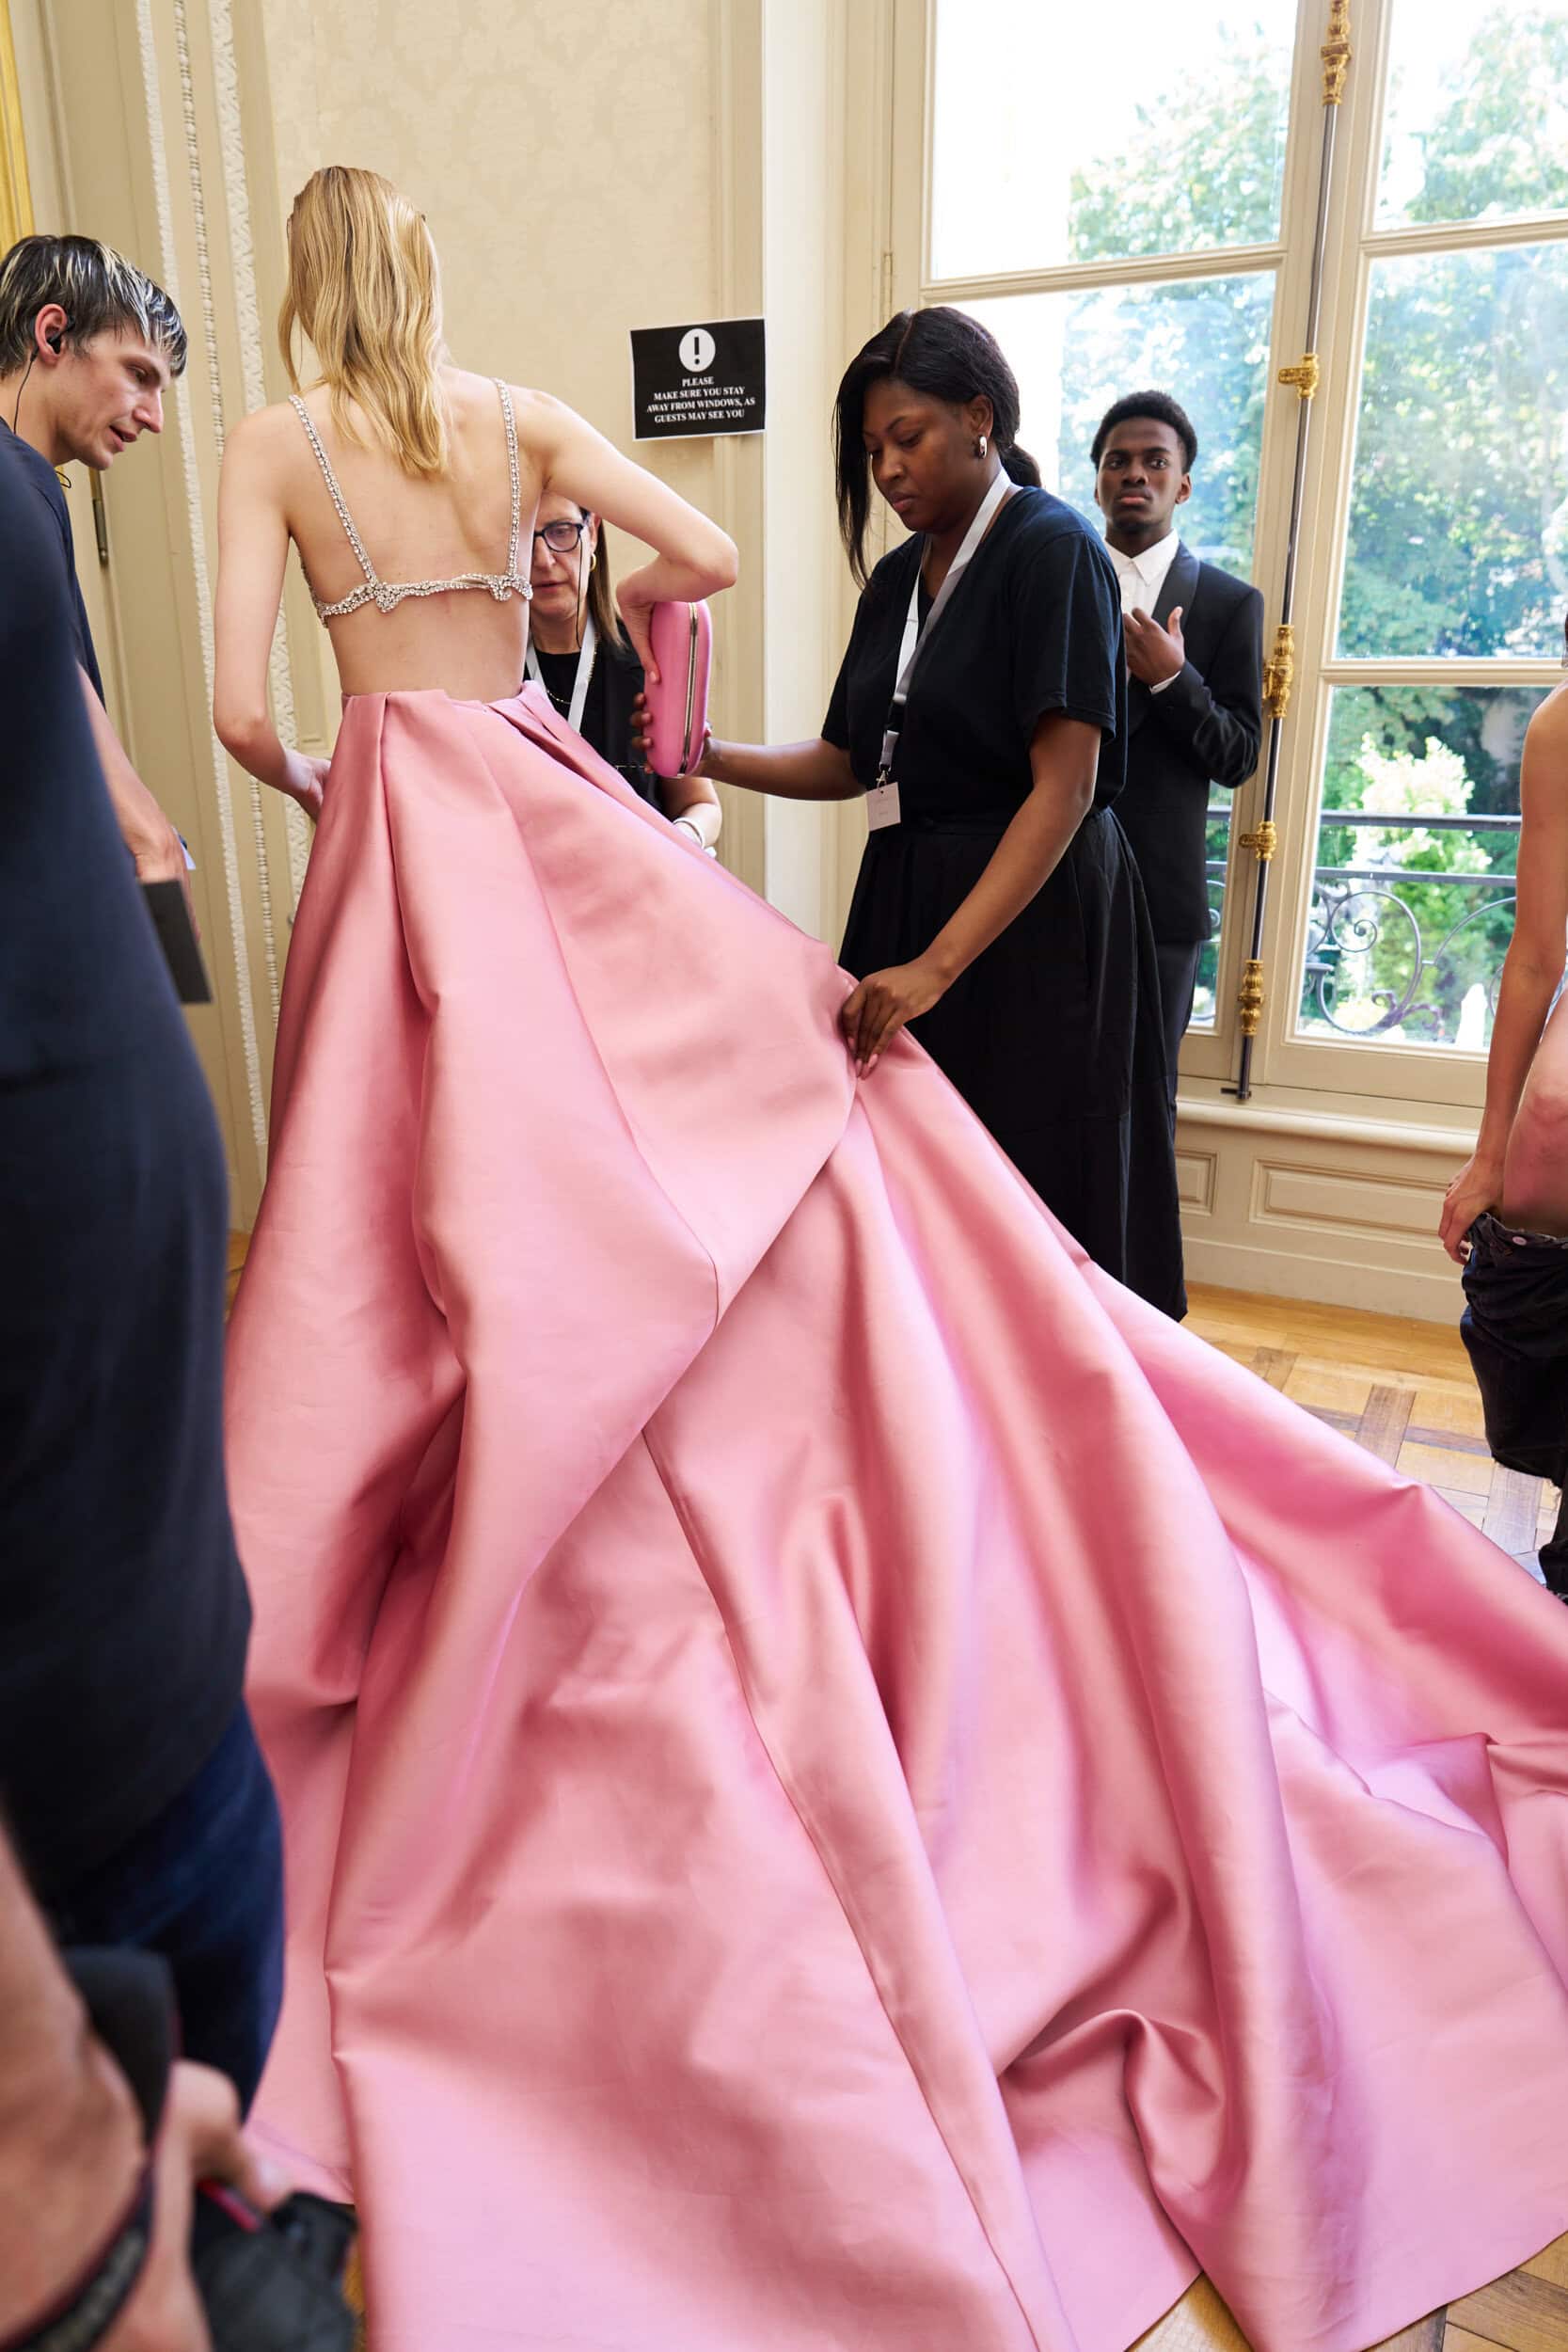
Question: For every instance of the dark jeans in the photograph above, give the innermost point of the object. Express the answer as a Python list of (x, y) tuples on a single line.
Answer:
[(1515, 1327), (202, 1884), (1178, 965)]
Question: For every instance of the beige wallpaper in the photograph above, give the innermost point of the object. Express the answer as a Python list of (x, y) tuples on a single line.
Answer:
[(585, 170), (562, 155)]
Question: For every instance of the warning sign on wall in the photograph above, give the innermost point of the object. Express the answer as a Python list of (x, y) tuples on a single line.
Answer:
[(695, 380)]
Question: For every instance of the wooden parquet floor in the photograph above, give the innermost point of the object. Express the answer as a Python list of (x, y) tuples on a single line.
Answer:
[(1403, 1389)]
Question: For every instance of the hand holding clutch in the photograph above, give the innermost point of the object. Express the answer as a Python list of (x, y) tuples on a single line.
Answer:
[(682, 641)]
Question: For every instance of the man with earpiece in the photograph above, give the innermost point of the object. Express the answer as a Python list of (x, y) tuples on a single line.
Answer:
[(88, 346), (131, 1785)]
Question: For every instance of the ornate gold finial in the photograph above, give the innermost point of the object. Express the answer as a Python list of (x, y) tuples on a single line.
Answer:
[(1249, 1003), (1336, 53), (1279, 671), (1263, 842), (1305, 376)]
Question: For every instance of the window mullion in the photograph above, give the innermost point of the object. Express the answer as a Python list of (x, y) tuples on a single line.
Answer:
[(1233, 261), (1324, 524), (1466, 236)]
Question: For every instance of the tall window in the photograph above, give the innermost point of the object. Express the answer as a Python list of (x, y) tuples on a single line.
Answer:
[(1453, 551), (1128, 197), (1143, 234)]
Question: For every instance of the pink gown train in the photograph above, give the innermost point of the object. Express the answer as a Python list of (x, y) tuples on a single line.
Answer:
[(848, 1785)]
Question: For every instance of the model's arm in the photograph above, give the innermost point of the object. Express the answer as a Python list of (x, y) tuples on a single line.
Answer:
[(692, 557), (1064, 756), (253, 553), (154, 843), (1531, 970)]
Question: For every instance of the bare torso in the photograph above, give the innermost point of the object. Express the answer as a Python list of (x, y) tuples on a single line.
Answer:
[(465, 643), (460, 641), (1546, 755)]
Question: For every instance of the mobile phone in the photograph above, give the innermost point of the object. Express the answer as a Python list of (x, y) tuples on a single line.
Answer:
[(170, 911)]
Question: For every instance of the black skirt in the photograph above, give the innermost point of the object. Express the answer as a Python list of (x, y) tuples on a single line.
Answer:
[(1052, 1036)]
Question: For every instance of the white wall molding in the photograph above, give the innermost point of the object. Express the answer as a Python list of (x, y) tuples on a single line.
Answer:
[(247, 314), (1303, 1203), (222, 796), (1260, 1117)]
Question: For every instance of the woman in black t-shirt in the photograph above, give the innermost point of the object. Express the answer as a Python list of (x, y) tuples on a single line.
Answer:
[(998, 910), (579, 652)]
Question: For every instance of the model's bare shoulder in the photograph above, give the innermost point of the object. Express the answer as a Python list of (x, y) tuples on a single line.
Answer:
[(265, 428), (1548, 727), (1543, 772), (541, 418), (267, 444)]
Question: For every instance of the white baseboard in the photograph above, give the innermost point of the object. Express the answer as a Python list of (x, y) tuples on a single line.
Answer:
[(1430, 1297)]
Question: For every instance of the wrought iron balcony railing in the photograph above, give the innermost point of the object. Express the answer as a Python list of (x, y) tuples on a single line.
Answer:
[(1394, 948)]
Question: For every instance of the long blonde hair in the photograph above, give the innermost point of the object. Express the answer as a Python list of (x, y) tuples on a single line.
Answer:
[(365, 288)]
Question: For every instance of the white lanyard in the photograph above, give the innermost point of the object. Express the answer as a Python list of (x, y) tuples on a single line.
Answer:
[(579, 684), (914, 635)]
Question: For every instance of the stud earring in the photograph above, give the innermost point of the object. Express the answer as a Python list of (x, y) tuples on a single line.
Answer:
[(980, 446)]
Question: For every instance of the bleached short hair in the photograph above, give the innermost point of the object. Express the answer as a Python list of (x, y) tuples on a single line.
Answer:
[(99, 291)]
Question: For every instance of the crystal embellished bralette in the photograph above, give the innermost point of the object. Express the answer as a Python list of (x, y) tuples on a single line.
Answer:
[(387, 595)]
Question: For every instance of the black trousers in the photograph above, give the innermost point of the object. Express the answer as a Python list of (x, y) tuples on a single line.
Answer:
[(1515, 1327), (202, 1885), (1178, 965)]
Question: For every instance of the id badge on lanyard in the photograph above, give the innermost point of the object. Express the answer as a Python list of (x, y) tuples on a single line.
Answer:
[(881, 806), (882, 802)]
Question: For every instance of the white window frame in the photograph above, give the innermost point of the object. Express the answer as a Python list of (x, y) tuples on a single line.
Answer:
[(1391, 1082)]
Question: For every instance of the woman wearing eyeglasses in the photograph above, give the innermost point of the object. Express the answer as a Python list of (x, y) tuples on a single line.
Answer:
[(580, 654)]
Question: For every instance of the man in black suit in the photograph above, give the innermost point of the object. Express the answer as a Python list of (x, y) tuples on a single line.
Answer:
[(1195, 661)]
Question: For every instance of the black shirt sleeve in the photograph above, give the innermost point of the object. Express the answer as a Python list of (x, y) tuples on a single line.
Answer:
[(836, 726), (1066, 637), (42, 478)]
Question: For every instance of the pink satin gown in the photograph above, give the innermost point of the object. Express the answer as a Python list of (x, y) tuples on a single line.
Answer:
[(849, 1787)]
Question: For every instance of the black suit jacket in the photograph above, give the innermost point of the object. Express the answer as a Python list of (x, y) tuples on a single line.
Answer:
[(1203, 730)]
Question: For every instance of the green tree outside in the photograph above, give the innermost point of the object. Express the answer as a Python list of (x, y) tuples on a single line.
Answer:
[(1459, 517)]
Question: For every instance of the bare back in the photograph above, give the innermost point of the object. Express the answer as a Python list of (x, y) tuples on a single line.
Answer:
[(464, 643), (403, 620)]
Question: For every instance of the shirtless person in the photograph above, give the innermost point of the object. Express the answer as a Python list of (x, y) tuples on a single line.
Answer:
[(1505, 1216)]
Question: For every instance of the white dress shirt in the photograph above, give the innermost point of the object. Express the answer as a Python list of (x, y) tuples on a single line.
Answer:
[(1142, 577)]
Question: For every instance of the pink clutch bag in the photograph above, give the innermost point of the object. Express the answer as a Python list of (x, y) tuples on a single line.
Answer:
[(677, 706)]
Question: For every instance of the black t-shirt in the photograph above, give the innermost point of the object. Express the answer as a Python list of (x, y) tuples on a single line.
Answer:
[(123, 1615), (1033, 627), (616, 682), (41, 474)]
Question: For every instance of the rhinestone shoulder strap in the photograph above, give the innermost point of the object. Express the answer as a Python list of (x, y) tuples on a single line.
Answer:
[(511, 422), (387, 595), (372, 582)]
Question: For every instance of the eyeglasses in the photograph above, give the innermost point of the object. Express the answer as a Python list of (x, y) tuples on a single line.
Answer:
[(562, 537)]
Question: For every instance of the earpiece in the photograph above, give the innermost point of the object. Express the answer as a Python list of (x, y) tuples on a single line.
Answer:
[(58, 338)]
